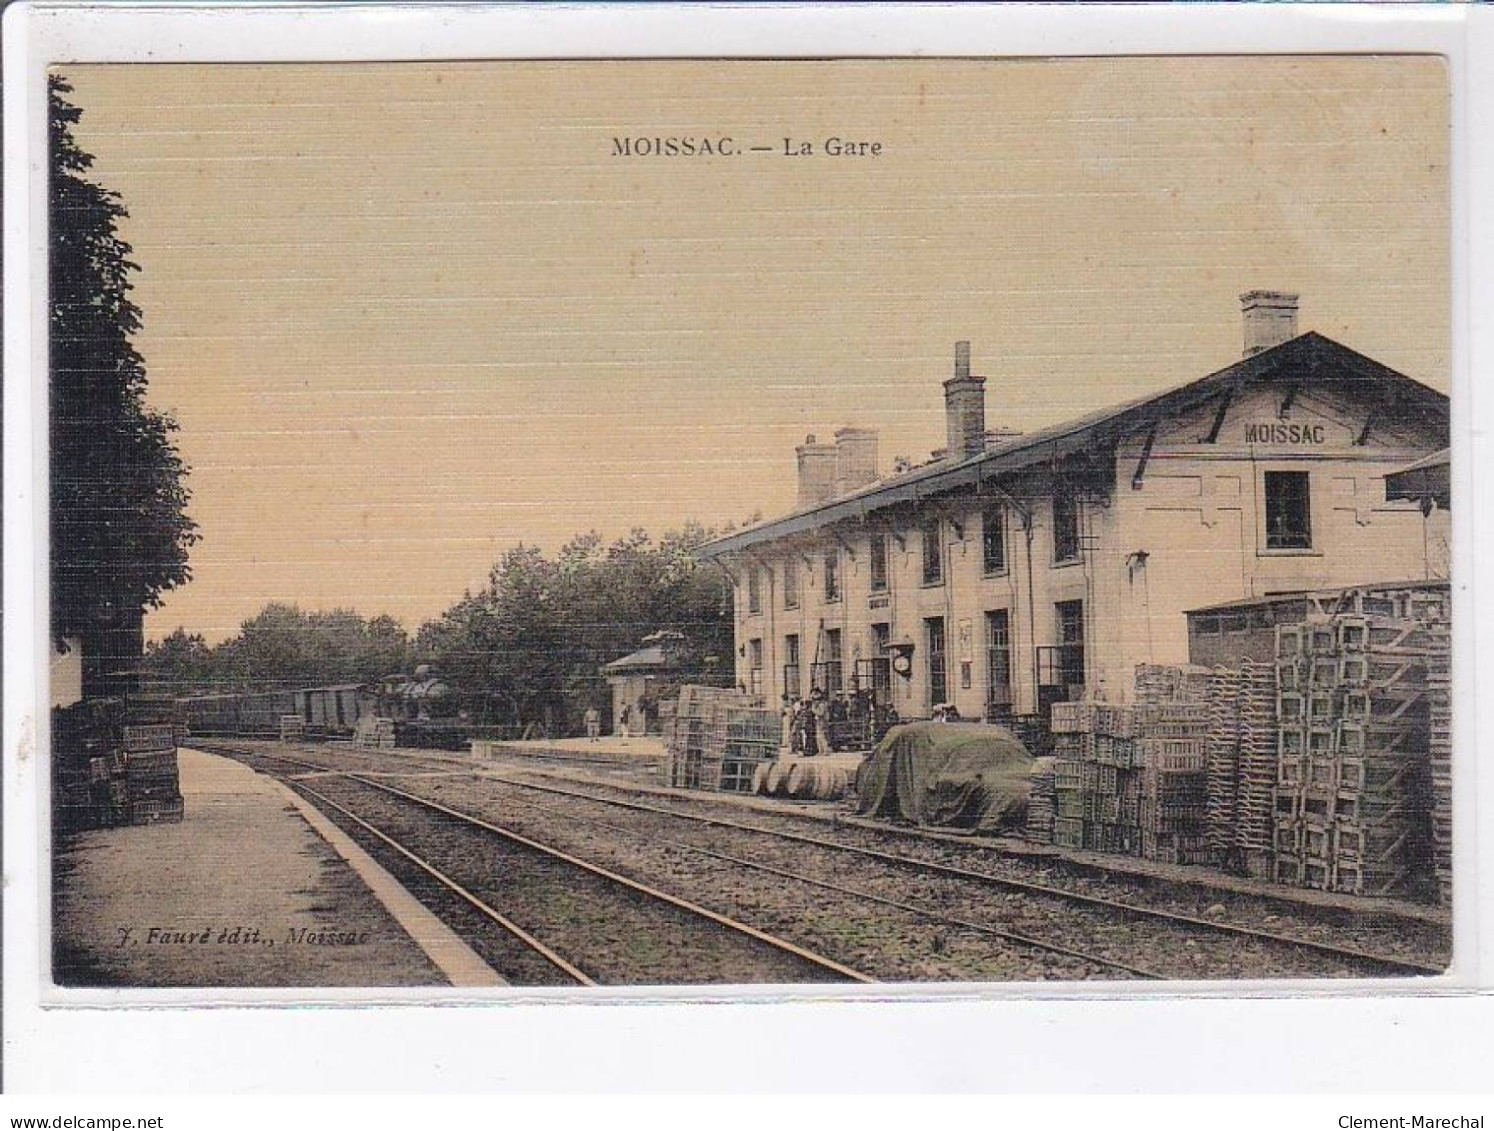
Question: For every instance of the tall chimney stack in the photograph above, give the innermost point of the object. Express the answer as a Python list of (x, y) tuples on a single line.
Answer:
[(855, 458), (1270, 319), (816, 471), (964, 409)]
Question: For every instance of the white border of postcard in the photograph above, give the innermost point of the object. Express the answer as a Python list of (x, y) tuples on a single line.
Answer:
[(1298, 1034)]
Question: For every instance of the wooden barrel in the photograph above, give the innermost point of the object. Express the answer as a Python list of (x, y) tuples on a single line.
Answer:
[(828, 783), (760, 777), (775, 779), (800, 779)]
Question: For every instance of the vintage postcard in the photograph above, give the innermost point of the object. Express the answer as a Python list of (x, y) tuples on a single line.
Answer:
[(666, 523)]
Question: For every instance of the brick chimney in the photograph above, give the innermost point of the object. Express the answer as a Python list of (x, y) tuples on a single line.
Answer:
[(855, 458), (816, 471), (1270, 319), (964, 409)]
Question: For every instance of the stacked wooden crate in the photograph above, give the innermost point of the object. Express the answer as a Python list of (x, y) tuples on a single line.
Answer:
[(1439, 715), (88, 765), (114, 763), (1255, 791), (1222, 766), (151, 734), (1172, 743), (1352, 809), (1097, 791), (750, 738), (1042, 801), (717, 739), (1168, 683), (1132, 780)]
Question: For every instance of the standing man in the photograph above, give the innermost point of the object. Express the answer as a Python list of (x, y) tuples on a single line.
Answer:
[(593, 723)]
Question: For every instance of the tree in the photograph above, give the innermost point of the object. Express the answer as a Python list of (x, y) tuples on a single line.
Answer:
[(119, 526), (180, 663), (282, 647), (529, 648)]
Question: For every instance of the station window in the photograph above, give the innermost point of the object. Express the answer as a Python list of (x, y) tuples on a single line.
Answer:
[(1070, 641), (1288, 511), (881, 665), (832, 576), (998, 662), (993, 539), (834, 675), (1065, 528), (755, 667), (754, 590), (933, 552), (933, 631), (791, 583), (878, 559), (793, 683)]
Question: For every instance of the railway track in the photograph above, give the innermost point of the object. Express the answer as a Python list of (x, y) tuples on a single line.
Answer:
[(1346, 959), (1081, 963), (556, 905)]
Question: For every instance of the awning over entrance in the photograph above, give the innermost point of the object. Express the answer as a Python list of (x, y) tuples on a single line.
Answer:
[(1429, 478)]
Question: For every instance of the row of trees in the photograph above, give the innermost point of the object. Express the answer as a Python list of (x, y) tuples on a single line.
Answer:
[(280, 647), (528, 647)]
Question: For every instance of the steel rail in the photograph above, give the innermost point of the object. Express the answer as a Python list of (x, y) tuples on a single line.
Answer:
[(692, 909), (988, 878), (871, 897), (685, 905), (518, 932), (1354, 954)]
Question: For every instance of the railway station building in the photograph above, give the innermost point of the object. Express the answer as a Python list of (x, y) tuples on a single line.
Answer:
[(1011, 570)]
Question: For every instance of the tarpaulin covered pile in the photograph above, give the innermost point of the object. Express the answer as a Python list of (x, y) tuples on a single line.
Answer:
[(943, 775)]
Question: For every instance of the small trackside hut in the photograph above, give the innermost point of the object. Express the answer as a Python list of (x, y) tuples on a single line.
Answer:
[(1012, 571)]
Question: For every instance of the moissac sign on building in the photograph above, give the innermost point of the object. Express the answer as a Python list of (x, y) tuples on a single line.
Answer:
[(1015, 570)]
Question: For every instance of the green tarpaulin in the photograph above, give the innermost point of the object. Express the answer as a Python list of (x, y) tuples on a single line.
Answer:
[(943, 775)]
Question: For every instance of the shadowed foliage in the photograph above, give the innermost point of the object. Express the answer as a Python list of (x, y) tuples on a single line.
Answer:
[(119, 527)]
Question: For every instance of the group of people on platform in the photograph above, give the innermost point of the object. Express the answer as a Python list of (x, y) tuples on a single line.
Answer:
[(822, 723)]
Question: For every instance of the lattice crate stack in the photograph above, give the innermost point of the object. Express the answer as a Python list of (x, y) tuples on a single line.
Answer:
[(1439, 721), (1068, 832), (150, 771), (1042, 801), (751, 737), (1158, 683), (1307, 675), (1384, 824), (1222, 763), (1167, 683), (1257, 777), (1068, 792)]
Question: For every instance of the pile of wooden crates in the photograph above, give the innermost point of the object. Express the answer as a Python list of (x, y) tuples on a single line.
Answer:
[(1328, 766), (1132, 779), (114, 762), (716, 739)]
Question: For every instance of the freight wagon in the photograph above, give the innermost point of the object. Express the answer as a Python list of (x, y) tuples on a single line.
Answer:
[(328, 712)]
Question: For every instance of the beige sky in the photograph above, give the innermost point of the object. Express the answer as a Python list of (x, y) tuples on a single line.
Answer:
[(409, 315)]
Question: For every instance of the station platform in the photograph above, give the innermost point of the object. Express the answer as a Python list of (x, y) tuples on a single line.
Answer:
[(253, 888), (643, 751)]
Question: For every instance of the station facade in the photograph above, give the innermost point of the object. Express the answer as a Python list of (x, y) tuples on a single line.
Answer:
[(1012, 571)]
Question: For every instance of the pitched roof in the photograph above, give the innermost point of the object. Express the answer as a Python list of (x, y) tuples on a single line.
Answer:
[(1329, 363), (652, 657)]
